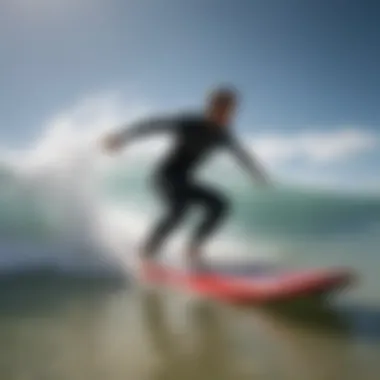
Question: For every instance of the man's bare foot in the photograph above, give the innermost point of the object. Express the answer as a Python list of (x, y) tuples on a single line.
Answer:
[(149, 266)]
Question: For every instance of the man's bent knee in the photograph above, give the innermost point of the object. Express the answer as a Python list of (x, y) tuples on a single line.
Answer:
[(218, 207)]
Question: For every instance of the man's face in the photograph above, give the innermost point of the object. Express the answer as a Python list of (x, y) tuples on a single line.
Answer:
[(222, 112)]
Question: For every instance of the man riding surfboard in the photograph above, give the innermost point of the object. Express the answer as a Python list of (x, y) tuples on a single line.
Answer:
[(196, 136)]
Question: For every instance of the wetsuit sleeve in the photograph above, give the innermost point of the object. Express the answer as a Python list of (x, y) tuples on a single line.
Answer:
[(149, 127), (247, 160)]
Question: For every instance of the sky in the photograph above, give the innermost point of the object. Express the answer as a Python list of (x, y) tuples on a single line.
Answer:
[(307, 71)]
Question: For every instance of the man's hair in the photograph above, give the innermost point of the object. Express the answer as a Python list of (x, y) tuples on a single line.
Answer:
[(223, 95)]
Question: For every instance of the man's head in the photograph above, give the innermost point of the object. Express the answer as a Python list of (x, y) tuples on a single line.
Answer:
[(221, 105)]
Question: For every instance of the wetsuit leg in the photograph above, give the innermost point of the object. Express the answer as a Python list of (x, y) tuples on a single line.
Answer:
[(215, 206), (177, 199), (178, 196)]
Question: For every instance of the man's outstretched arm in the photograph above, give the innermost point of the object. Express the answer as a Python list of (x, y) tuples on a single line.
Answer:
[(118, 139), (249, 162)]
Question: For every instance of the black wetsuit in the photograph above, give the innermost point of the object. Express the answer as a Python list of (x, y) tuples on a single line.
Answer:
[(195, 139)]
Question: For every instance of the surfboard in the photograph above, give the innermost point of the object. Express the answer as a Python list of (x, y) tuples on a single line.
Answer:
[(253, 283)]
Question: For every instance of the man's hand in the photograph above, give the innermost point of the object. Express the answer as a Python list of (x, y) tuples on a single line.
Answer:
[(112, 143)]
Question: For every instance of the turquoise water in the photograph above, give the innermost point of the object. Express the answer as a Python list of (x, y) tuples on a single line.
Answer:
[(108, 211)]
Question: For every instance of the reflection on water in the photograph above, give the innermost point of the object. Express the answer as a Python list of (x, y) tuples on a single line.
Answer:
[(199, 349), (76, 330)]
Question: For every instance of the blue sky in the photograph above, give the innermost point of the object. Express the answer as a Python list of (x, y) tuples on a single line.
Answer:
[(304, 67)]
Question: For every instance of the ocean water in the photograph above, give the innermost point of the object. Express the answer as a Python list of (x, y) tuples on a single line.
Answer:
[(74, 212), (71, 222)]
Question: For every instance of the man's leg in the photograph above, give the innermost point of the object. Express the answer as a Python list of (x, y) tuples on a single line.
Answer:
[(162, 229), (216, 208), (176, 197)]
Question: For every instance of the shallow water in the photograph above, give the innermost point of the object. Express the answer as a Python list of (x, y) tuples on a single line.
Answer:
[(67, 328)]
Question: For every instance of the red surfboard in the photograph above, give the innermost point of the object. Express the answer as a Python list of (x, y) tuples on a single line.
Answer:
[(252, 284)]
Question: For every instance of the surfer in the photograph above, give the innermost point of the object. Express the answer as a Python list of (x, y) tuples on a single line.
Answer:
[(196, 136)]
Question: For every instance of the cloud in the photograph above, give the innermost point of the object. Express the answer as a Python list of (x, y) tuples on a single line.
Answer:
[(315, 146)]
